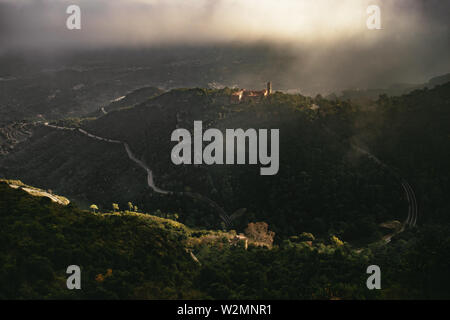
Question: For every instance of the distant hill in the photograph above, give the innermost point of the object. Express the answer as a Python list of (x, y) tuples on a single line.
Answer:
[(57, 94), (79, 83), (368, 95), (135, 97), (439, 80), (129, 100)]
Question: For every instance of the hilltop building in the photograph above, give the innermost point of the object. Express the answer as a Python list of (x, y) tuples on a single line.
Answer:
[(251, 95)]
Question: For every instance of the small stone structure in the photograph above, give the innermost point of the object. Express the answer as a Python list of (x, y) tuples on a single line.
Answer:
[(250, 95)]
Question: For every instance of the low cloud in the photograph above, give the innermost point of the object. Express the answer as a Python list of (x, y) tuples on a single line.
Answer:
[(328, 37)]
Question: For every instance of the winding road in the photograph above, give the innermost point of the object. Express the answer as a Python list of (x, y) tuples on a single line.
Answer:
[(411, 219), (150, 181)]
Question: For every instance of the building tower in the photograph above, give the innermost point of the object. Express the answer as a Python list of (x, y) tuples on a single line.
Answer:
[(269, 87)]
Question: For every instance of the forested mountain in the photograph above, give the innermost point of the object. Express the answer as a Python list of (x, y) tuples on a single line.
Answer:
[(343, 169), (370, 95), (324, 185)]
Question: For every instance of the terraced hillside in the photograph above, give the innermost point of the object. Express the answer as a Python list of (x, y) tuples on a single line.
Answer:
[(12, 134)]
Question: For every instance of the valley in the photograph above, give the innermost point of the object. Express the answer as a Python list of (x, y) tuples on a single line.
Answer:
[(112, 129), (219, 156), (343, 197)]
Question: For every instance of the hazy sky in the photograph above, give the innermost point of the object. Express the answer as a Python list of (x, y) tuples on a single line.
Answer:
[(330, 36), (127, 22)]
